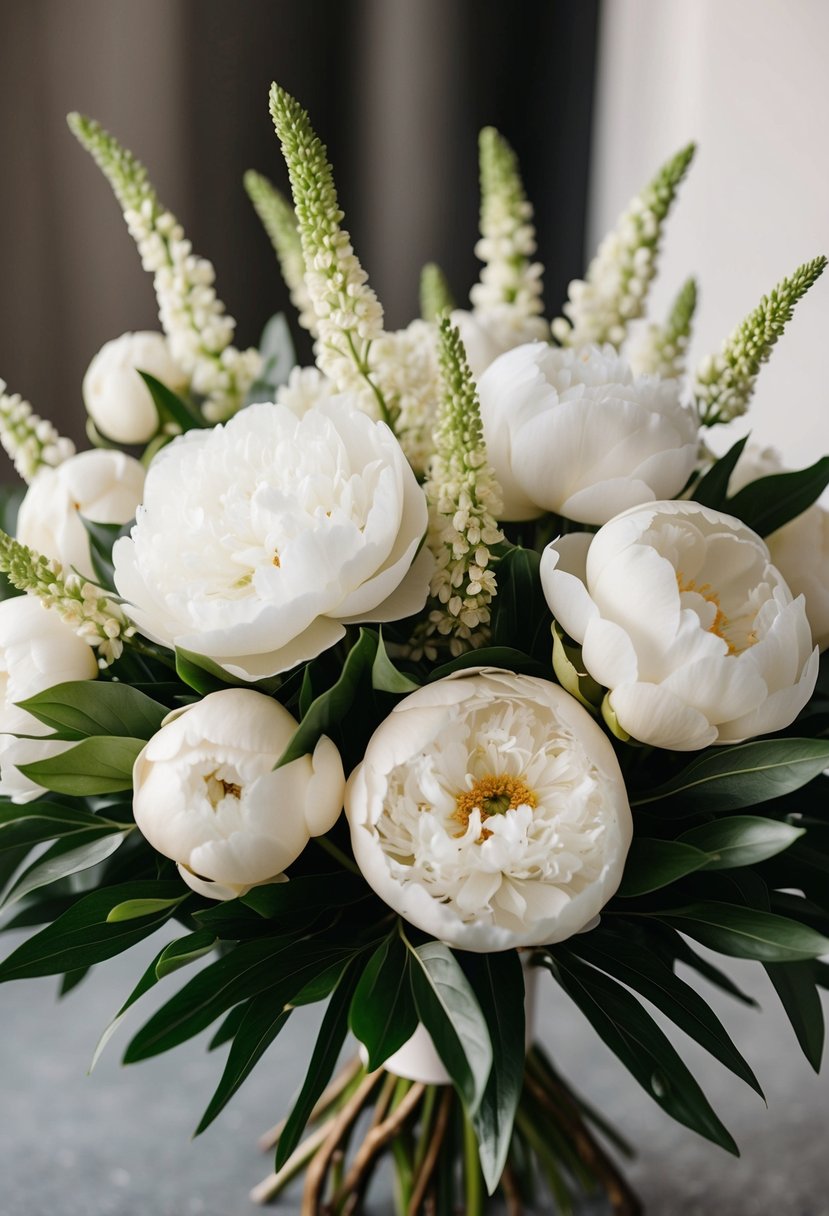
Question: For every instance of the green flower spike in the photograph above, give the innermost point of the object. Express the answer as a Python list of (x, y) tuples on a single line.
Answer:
[(725, 382), (279, 221), (660, 350), (435, 292)]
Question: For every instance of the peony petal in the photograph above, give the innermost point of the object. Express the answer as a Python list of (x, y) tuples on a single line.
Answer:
[(652, 714), (563, 582)]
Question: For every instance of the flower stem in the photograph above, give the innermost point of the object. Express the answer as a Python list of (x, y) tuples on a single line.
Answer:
[(473, 1179), (337, 853)]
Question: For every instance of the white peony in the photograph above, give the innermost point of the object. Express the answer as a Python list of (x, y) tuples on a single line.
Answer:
[(258, 541), (572, 431), (800, 549), (37, 651), (103, 486), (490, 811), (116, 398), (682, 616), (486, 334), (208, 797)]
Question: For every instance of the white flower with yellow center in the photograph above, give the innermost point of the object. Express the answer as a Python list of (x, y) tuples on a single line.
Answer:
[(683, 617), (490, 811), (257, 542)]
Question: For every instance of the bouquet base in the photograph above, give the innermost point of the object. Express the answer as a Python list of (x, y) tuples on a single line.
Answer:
[(557, 1159)]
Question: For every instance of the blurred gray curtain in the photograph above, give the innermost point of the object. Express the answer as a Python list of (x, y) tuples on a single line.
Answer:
[(397, 88)]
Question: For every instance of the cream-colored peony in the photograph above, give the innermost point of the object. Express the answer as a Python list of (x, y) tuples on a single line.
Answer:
[(103, 486), (116, 398), (572, 431), (208, 797), (800, 549), (490, 811), (259, 540), (37, 651), (683, 617)]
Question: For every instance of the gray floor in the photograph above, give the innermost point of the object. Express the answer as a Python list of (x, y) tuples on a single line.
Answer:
[(118, 1143)]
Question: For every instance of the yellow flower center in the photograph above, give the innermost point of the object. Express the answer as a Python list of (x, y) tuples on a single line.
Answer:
[(720, 622), (218, 788), (492, 795)]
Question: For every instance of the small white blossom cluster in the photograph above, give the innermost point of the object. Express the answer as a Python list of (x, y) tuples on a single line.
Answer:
[(305, 388), (725, 381), (509, 276), (349, 315), (659, 350), (31, 442), (279, 221), (407, 372), (194, 319), (613, 292), (95, 618), (465, 502)]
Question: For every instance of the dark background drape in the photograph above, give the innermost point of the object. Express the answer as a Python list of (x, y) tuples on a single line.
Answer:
[(398, 89)]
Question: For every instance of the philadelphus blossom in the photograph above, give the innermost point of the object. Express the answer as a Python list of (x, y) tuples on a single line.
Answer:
[(207, 794), (800, 549), (683, 617), (30, 441), (286, 529), (576, 433), (37, 651), (103, 486), (116, 398), (490, 811)]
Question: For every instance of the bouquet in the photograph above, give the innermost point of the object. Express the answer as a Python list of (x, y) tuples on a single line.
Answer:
[(481, 584)]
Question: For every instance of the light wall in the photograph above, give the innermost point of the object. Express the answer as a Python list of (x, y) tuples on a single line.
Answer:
[(747, 80)]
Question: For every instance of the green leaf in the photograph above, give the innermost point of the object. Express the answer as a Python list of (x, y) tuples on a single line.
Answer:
[(278, 358), (98, 765), (170, 406), (384, 675), (796, 986), (102, 538), (82, 936), (729, 778), (631, 1034), (170, 958), (712, 489), (449, 1009), (260, 1024), (492, 656), (652, 864), (71, 979), (278, 965), (646, 974), (202, 674), (770, 502), (571, 673), (228, 1026), (324, 1057), (741, 840), (69, 855), (383, 1015), (498, 982), (747, 932), (307, 892), (520, 610), (683, 953), (97, 707), (329, 709), (31, 823), (133, 909)]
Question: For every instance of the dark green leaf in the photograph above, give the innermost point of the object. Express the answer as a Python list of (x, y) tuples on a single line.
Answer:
[(449, 1009), (170, 406), (493, 656), (747, 932), (657, 983), (99, 765), (307, 892), (796, 986), (97, 707), (278, 965), (69, 855), (652, 864), (498, 982), (683, 953), (102, 537), (741, 840), (768, 503), (278, 358), (260, 1024), (712, 489), (81, 936), (385, 677), (324, 1057), (729, 778), (631, 1034), (331, 707), (71, 979), (31, 823), (228, 1026), (520, 610), (383, 1015), (202, 674)]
